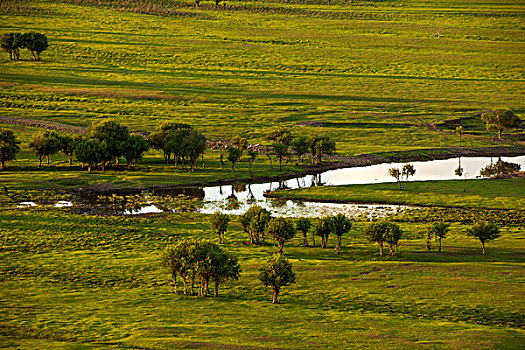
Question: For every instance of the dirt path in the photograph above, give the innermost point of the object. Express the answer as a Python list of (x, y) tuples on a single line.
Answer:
[(44, 124)]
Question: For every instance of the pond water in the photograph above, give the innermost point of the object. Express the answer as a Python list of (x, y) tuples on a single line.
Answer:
[(237, 198)]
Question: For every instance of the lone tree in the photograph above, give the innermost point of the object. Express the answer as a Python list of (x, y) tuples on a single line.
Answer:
[(439, 230), (322, 228), (408, 170), (8, 146), (340, 225), (35, 42), (277, 273), (459, 131), (500, 119), (303, 225), (254, 222), (45, 144), (219, 224), (234, 154), (485, 232), (282, 230), (396, 174)]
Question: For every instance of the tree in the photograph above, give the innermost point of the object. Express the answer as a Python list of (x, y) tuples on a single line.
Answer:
[(8, 146), (45, 144), (439, 230), (485, 232), (35, 42), (282, 230), (252, 154), (254, 222), (67, 146), (158, 137), (281, 150), (396, 174), (134, 149), (281, 135), (276, 273), (92, 153), (113, 134), (219, 224), (375, 232), (408, 170), (194, 146), (322, 228), (11, 43), (500, 168), (234, 154), (319, 146), (300, 147), (459, 131), (303, 225), (240, 143), (500, 119), (392, 236), (224, 267), (340, 225)]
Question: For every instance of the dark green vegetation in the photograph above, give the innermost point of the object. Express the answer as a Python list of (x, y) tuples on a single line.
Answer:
[(495, 194), (75, 280)]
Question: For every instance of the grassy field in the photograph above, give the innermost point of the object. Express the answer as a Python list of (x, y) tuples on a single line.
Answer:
[(494, 194), (373, 74), (91, 282)]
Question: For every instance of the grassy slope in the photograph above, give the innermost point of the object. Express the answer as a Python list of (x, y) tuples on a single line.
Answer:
[(497, 194), (382, 68), (102, 287)]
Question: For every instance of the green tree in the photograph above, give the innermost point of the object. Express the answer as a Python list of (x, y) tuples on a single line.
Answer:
[(282, 230), (439, 230), (340, 225), (134, 149), (92, 153), (276, 273), (319, 146), (300, 146), (323, 228), (113, 134), (281, 135), (392, 236), (67, 146), (485, 232), (158, 140), (303, 225), (219, 224), (396, 174), (11, 43), (281, 150), (35, 42), (408, 170), (45, 144), (240, 143), (375, 232), (254, 222), (500, 119), (224, 267), (252, 154), (459, 131), (234, 154), (193, 146), (8, 146)]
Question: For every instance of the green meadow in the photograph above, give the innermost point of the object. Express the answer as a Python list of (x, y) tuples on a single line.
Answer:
[(388, 78)]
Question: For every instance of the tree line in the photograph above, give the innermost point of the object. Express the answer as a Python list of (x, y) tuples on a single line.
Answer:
[(12, 43)]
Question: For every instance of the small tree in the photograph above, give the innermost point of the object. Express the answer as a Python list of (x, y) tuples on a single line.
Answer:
[(340, 225), (11, 43), (134, 149), (193, 146), (485, 232), (234, 154), (224, 267), (240, 143), (300, 147), (113, 134), (281, 151), (8, 146), (392, 236), (35, 42), (92, 153), (500, 119), (45, 144), (375, 232), (408, 170), (396, 174), (254, 222), (281, 230), (322, 228), (252, 154), (67, 147), (319, 146), (281, 135), (459, 131), (277, 273), (219, 224), (428, 238), (439, 230), (303, 225)]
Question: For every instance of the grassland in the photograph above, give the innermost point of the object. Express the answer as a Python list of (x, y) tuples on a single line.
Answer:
[(91, 282), (493, 194)]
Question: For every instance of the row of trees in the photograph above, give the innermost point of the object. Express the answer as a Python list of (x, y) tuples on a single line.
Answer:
[(33, 41)]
